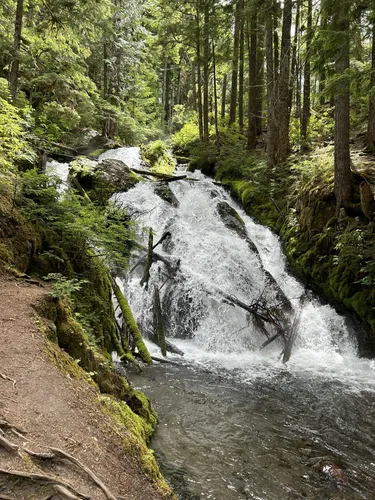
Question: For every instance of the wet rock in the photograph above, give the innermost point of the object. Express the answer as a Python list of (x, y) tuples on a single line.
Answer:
[(116, 173), (231, 218), (165, 193)]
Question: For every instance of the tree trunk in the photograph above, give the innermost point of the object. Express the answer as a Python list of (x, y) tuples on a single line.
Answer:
[(224, 96), (236, 41), (260, 79), (199, 78), (194, 87), (241, 76), (14, 70), (293, 70), (253, 83), (371, 112), (105, 70), (283, 86), (206, 58), (307, 78), (215, 100), (342, 101), (271, 125)]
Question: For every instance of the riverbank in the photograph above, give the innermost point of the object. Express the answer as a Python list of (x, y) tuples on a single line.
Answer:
[(58, 333)]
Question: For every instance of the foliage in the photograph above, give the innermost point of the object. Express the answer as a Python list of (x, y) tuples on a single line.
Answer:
[(13, 124), (73, 225), (63, 287), (157, 158), (184, 138)]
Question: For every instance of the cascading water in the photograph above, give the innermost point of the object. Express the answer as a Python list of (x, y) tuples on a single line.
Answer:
[(235, 422)]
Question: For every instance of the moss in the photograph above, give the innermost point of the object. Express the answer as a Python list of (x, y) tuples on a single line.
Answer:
[(132, 325), (157, 158), (74, 340), (19, 240), (135, 432), (94, 155)]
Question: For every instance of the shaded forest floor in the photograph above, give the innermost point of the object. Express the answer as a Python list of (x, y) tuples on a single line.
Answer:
[(48, 407)]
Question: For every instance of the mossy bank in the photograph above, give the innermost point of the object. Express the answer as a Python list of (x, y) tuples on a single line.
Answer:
[(40, 239)]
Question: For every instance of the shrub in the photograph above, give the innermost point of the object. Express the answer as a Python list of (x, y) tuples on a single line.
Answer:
[(157, 157)]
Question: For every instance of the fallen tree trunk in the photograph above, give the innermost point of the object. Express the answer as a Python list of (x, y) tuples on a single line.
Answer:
[(143, 259), (291, 337), (263, 316), (122, 349), (164, 177), (131, 323), (149, 260), (158, 322)]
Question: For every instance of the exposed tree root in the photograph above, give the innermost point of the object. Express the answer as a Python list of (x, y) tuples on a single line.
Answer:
[(44, 479), (5, 377), (97, 481)]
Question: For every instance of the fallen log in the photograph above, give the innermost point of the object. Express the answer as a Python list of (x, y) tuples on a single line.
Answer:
[(263, 316), (291, 337), (149, 260), (269, 341), (131, 323), (158, 322), (143, 259), (173, 349), (164, 177)]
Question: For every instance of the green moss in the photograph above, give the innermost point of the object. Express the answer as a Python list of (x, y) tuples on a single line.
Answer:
[(94, 155), (135, 432), (132, 324), (157, 158)]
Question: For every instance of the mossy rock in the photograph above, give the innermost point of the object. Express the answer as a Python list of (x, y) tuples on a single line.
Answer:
[(164, 192)]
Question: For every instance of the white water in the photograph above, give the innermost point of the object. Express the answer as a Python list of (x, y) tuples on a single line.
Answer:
[(214, 257)]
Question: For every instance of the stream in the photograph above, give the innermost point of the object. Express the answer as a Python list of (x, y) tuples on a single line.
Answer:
[(236, 423)]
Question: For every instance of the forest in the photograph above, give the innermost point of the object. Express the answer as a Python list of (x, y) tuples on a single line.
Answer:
[(273, 101)]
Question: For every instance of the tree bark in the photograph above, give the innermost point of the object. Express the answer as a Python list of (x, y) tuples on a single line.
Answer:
[(236, 41), (14, 70), (342, 101), (215, 99), (271, 125), (293, 70), (306, 112), (206, 59), (370, 140), (260, 79), (283, 86), (241, 76), (199, 77), (224, 96), (253, 83)]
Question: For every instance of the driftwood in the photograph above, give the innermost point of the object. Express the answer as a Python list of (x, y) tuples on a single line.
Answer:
[(158, 322), (149, 259)]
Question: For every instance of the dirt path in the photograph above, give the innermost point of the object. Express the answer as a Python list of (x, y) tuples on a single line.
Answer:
[(55, 410)]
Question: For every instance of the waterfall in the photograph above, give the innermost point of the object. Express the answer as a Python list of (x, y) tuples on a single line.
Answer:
[(212, 332)]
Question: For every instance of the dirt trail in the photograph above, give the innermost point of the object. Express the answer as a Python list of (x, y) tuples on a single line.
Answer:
[(55, 410)]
